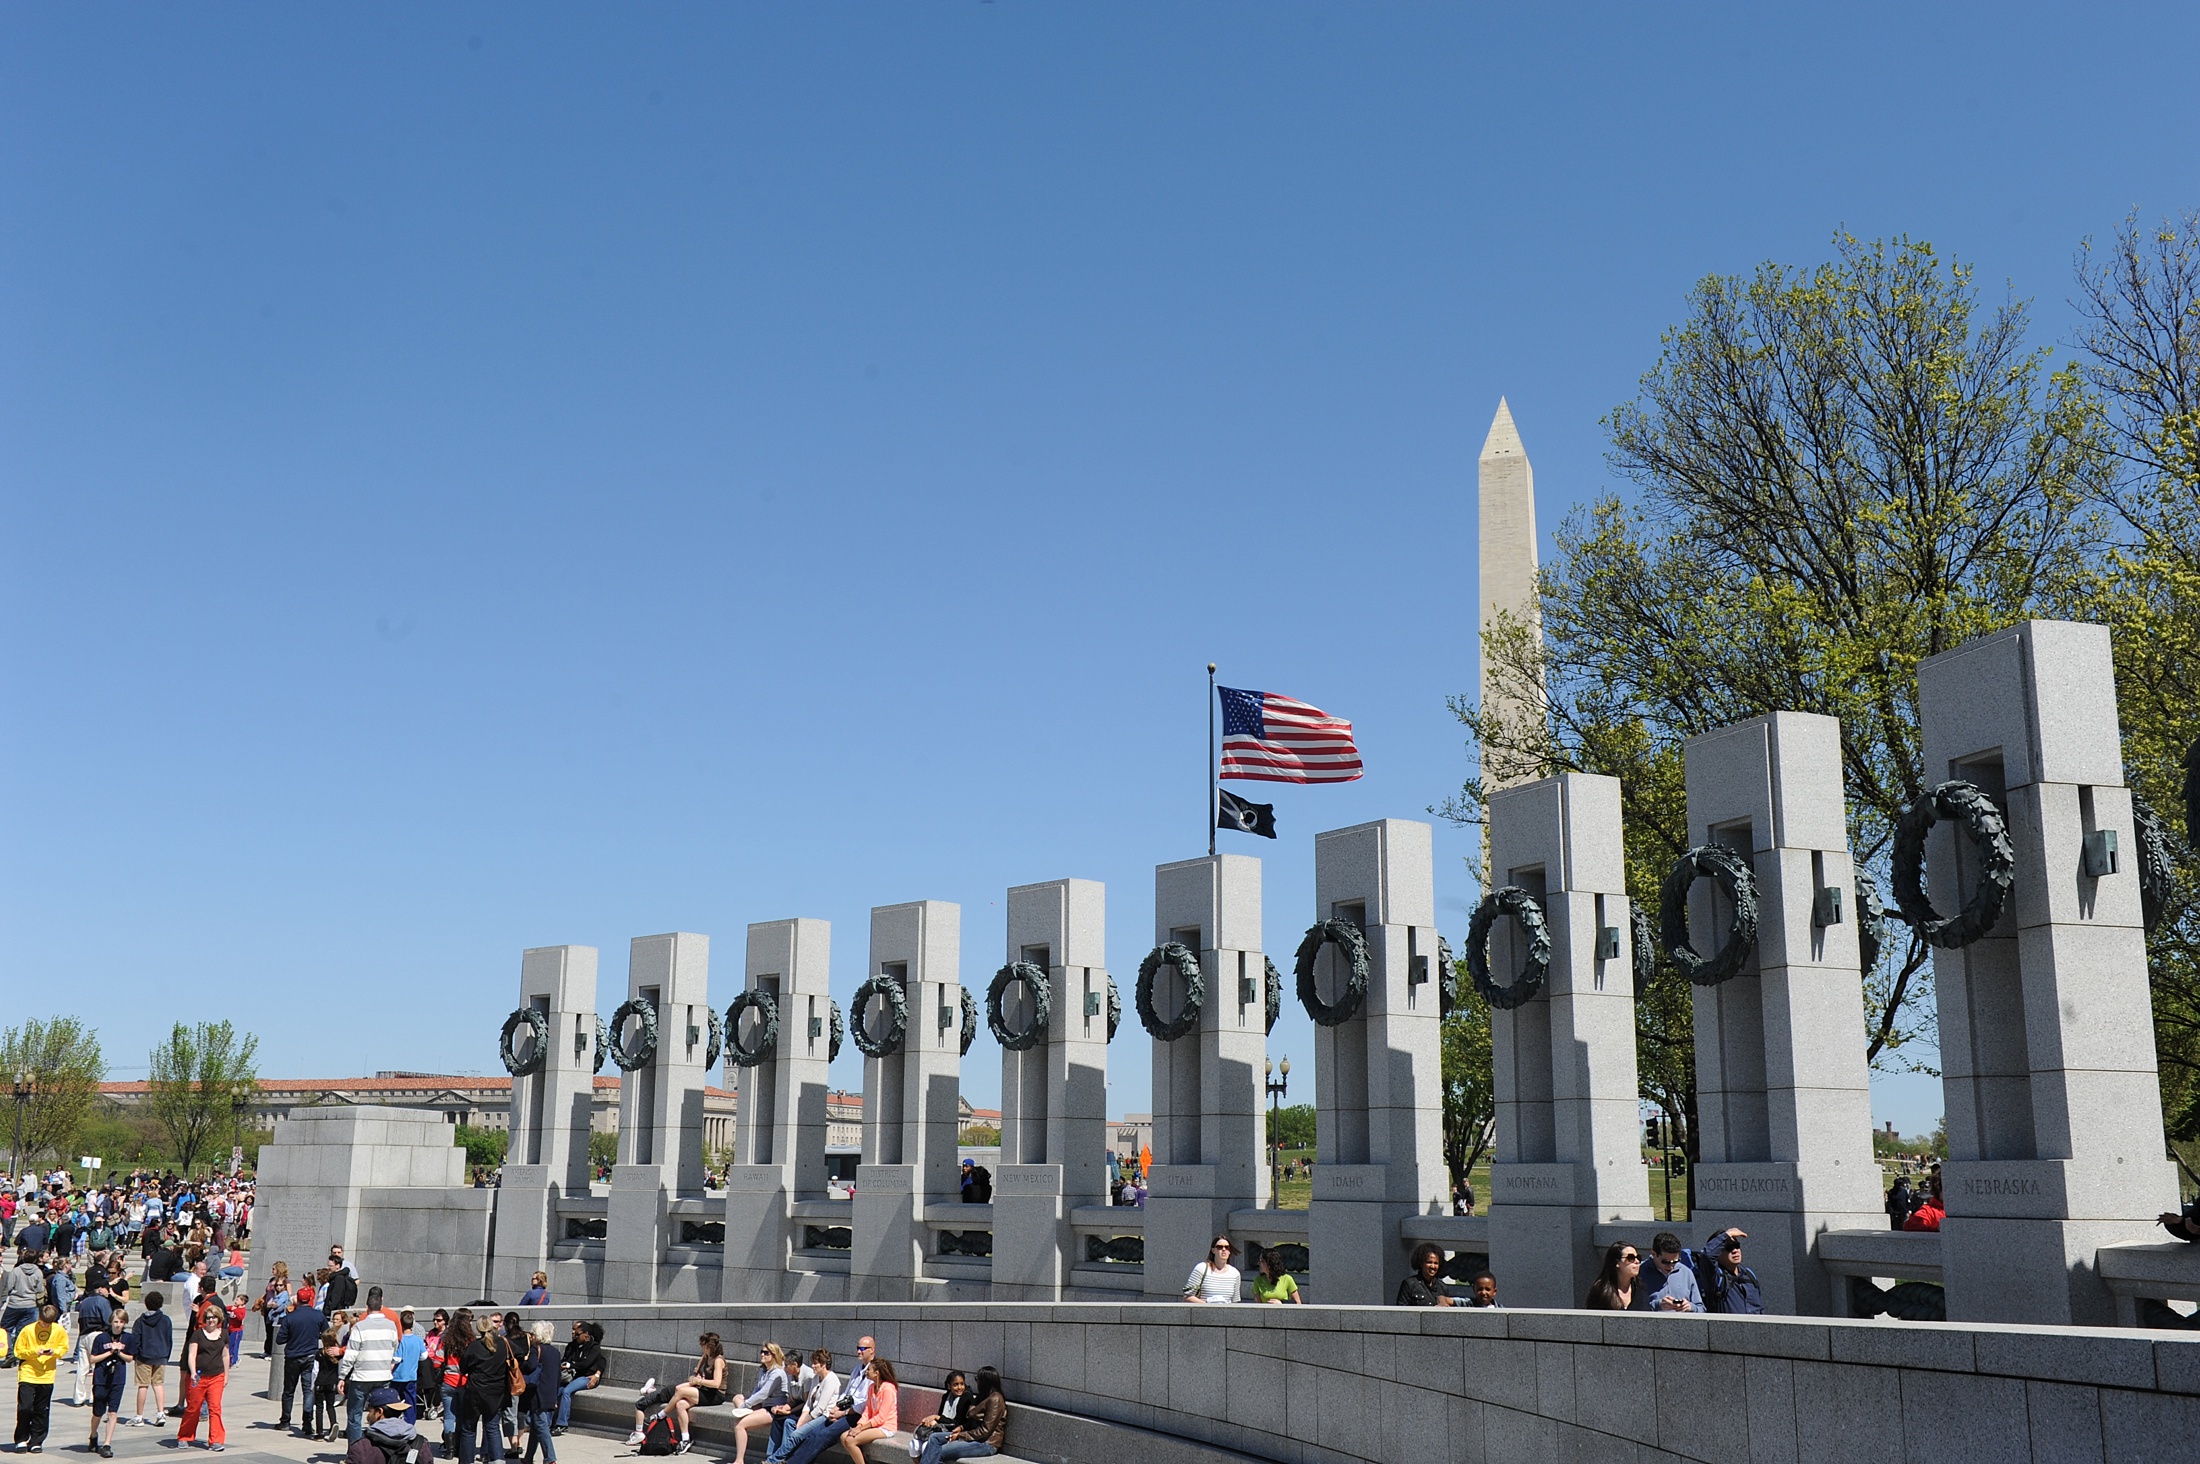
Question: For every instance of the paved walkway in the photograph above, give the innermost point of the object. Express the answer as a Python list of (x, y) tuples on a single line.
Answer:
[(253, 1436)]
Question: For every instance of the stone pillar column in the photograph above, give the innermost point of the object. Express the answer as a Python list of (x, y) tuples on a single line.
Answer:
[(551, 1111), (2046, 1028), (1783, 1094), (1207, 1085), (1378, 1090), (779, 1113), (660, 1111), (1569, 1152), (1054, 1095), (910, 1117)]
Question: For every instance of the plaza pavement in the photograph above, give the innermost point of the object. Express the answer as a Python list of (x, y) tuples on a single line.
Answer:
[(253, 1436)]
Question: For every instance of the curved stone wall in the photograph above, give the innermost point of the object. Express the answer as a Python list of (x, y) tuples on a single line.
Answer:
[(1311, 1385)]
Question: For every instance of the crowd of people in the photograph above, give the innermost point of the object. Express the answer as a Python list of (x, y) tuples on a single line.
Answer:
[(67, 1298)]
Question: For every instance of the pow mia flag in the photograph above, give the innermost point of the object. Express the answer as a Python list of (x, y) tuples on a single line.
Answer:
[(1243, 815)]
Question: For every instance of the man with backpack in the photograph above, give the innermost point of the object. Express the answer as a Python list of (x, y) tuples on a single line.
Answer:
[(298, 1333), (25, 1289)]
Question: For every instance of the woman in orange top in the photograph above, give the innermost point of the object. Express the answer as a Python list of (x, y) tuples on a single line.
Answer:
[(881, 1414)]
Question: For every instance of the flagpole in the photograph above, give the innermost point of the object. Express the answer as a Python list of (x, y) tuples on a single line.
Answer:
[(1212, 801)]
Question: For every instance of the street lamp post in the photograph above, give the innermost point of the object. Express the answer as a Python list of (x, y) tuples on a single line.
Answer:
[(23, 1091), (1278, 1080), (237, 1106)]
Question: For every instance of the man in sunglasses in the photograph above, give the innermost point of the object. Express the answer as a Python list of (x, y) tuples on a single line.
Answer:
[(820, 1434), (1668, 1283)]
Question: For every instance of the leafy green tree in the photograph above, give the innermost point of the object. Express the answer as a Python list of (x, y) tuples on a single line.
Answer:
[(485, 1148), (603, 1148), (1292, 1127), (60, 1063), (1470, 1082), (1843, 471), (200, 1075)]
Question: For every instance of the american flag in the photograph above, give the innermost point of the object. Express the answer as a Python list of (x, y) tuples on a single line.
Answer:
[(1273, 739)]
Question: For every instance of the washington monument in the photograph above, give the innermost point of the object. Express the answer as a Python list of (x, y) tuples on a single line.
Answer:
[(1507, 530)]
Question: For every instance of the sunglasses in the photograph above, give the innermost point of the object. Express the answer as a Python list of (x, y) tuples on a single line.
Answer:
[(1631, 1256)]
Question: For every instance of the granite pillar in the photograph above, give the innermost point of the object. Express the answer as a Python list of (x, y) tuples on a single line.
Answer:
[(1054, 1094), (1783, 1092), (552, 1108), (660, 1113), (1208, 1143), (910, 1100), (1568, 1153), (779, 1114), (2055, 1142), (1378, 1089)]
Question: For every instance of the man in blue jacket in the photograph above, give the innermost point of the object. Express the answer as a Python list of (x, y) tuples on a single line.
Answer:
[(1728, 1285), (152, 1343), (298, 1333)]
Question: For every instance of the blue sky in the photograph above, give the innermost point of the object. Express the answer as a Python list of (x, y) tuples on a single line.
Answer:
[(488, 476)]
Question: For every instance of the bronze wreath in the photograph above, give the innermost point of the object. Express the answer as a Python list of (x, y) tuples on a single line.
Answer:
[(1347, 938), (970, 1020), (603, 1044), (1982, 821), (836, 1030), (1447, 978), (716, 1047), (630, 1056), (766, 1007), (897, 1016), (1521, 906), (537, 1024), (1195, 991), (1115, 1009), (1732, 870), (1271, 993), (1042, 1005)]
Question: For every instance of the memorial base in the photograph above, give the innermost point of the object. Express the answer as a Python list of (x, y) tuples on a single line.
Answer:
[(1354, 1252), (637, 1228), (1783, 1208), (2043, 1219), (757, 1256), (885, 1253), (1183, 1215), (526, 1209), (1031, 1234)]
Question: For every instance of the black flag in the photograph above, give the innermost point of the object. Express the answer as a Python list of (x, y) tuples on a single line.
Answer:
[(1246, 817)]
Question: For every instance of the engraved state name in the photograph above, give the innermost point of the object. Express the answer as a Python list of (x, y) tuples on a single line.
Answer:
[(1527, 1182), (2000, 1186), (1744, 1186)]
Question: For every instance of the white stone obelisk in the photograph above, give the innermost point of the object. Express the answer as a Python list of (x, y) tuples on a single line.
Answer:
[(1507, 533)]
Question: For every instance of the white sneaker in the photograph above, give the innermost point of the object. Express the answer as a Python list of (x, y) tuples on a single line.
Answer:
[(650, 1386), (634, 1437)]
